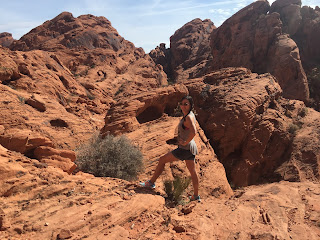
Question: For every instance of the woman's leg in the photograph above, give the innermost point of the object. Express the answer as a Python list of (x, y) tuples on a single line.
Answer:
[(195, 180), (162, 162)]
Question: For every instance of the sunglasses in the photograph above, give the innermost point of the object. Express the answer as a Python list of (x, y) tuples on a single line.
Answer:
[(184, 104)]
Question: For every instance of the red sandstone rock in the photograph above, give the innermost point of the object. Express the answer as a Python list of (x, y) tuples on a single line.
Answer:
[(253, 39), (6, 39), (127, 114), (289, 14), (308, 35), (303, 163), (189, 45), (43, 152), (60, 158), (60, 162), (94, 51), (37, 103), (23, 140), (189, 50), (94, 207), (65, 234), (245, 119)]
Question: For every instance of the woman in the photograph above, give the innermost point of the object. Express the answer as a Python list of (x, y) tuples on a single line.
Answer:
[(187, 148)]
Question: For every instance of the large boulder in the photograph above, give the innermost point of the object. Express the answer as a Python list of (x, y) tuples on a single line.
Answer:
[(304, 159), (189, 50), (308, 35), (23, 140), (244, 117), (290, 15), (6, 39)]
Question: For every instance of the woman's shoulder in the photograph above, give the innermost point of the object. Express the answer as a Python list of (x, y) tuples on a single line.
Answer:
[(191, 114)]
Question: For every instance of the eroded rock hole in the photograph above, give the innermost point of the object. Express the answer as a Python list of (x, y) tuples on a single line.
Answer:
[(173, 110), (58, 123), (149, 114)]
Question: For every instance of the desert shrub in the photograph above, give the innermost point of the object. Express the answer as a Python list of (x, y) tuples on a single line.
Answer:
[(303, 112), (90, 95), (21, 99), (314, 82), (174, 189), (110, 157), (293, 128)]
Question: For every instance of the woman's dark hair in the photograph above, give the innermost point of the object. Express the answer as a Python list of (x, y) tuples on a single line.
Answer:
[(190, 100)]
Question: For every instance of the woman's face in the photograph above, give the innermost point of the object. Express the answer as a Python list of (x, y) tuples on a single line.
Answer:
[(185, 106)]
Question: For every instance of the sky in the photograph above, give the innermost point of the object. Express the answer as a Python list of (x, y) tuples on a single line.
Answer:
[(146, 23)]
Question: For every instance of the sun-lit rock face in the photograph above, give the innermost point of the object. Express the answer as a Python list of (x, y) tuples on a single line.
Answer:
[(189, 52), (95, 55), (72, 77), (253, 38), (251, 127), (41, 202), (59, 80)]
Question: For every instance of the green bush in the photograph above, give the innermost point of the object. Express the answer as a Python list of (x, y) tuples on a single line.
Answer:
[(110, 157), (303, 112), (174, 189), (293, 128)]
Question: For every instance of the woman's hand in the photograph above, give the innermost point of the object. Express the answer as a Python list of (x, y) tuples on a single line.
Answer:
[(182, 142)]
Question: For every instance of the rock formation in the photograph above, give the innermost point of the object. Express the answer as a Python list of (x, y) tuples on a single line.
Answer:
[(189, 51), (253, 39), (6, 39), (303, 25), (41, 202), (290, 15), (64, 78), (95, 54), (248, 123)]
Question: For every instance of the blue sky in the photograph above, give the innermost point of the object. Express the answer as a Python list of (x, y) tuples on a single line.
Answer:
[(146, 23)]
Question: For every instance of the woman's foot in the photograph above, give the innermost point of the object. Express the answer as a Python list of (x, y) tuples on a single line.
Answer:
[(195, 198), (147, 184)]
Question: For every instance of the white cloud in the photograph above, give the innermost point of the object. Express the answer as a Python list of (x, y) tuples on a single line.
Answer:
[(220, 11), (187, 6)]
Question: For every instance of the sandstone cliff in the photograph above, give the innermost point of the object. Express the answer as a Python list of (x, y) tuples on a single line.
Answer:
[(189, 53), (258, 37)]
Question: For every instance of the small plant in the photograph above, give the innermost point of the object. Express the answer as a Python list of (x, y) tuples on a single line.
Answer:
[(314, 82), (90, 95), (110, 157), (174, 189), (21, 99), (120, 89), (303, 112), (205, 92), (293, 128), (177, 112), (61, 99)]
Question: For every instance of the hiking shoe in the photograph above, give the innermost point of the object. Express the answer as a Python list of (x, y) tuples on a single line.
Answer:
[(195, 198), (147, 184)]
